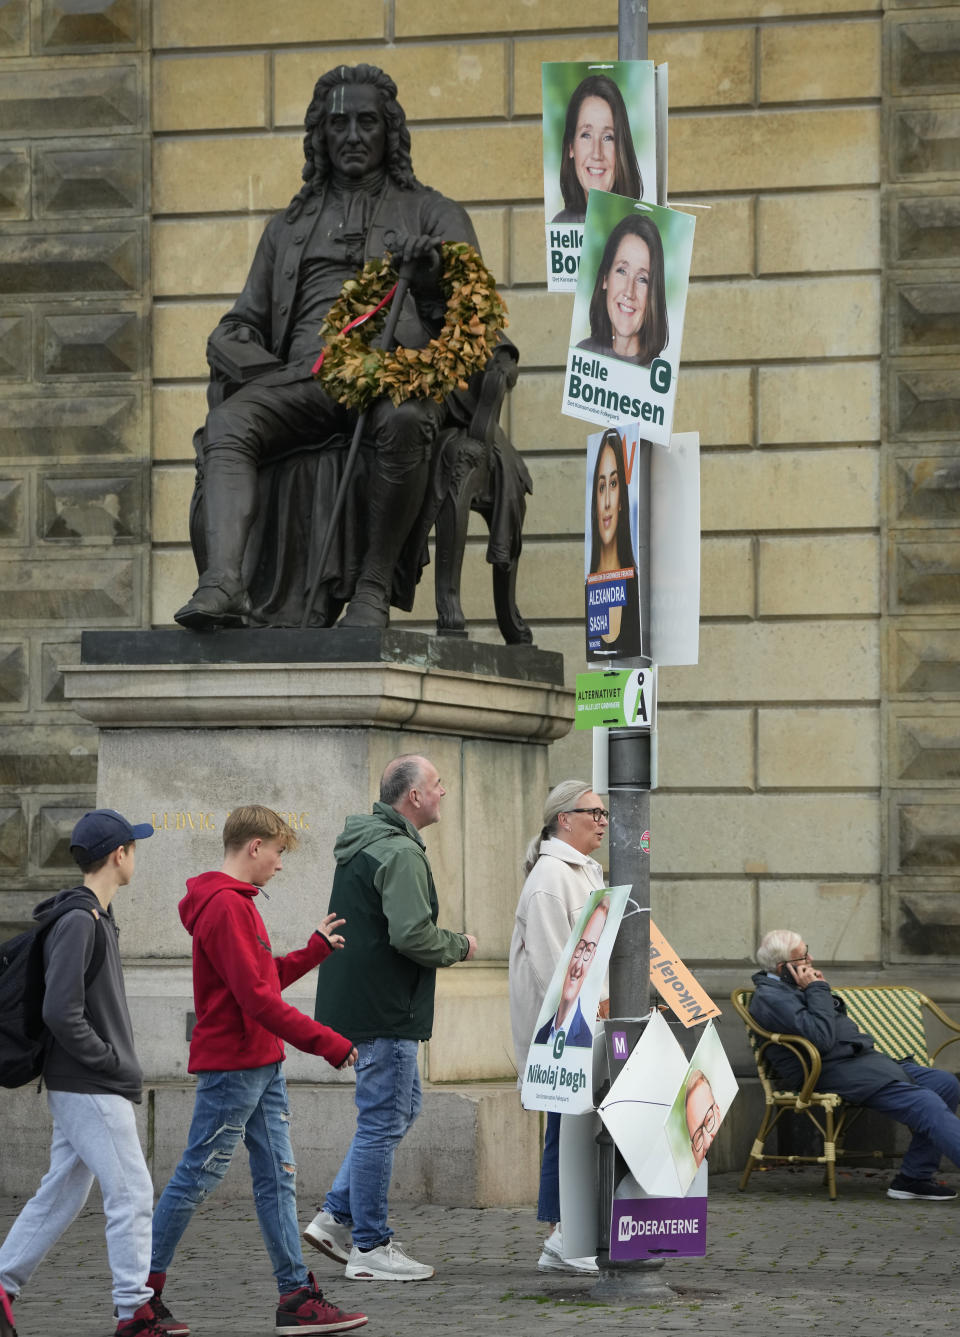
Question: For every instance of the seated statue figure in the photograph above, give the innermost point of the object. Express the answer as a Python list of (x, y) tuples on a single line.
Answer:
[(359, 199)]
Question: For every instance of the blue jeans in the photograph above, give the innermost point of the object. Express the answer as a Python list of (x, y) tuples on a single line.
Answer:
[(548, 1203), (252, 1105), (388, 1100), (929, 1111)]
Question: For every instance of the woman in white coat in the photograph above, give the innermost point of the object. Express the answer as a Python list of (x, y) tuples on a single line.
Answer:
[(561, 874)]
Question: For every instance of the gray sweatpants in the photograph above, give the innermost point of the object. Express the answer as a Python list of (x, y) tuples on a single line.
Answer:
[(94, 1137)]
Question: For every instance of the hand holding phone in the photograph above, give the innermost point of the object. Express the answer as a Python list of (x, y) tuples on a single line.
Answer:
[(800, 973)]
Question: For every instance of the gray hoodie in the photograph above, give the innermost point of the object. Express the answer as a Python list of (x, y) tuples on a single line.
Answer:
[(92, 1046)]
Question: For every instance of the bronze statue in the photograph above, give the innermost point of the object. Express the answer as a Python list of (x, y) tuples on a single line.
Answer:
[(359, 199)]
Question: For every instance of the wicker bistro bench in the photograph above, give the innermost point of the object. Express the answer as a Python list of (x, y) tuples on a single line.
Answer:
[(893, 1015)]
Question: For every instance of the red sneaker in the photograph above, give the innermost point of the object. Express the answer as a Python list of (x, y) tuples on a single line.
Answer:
[(305, 1310), (7, 1328), (165, 1319), (143, 1324)]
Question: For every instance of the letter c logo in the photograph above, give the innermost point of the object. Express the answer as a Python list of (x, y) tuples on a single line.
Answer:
[(558, 1042), (660, 375)]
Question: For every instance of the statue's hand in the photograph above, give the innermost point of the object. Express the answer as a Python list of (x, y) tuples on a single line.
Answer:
[(418, 258)]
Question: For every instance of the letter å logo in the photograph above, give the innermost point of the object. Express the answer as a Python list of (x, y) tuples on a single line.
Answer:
[(559, 1040)]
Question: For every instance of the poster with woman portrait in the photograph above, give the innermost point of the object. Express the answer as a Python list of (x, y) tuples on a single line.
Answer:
[(616, 572), (598, 133), (627, 324)]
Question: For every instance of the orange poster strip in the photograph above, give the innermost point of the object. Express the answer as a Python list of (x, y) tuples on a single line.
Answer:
[(675, 984)]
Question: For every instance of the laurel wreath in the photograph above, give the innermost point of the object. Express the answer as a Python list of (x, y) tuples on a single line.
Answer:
[(355, 373)]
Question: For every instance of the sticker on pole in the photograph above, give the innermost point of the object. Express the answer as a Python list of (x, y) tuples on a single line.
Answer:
[(616, 699)]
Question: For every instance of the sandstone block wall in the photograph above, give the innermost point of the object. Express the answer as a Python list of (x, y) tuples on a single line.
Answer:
[(75, 355), (921, 503), (808, 763)]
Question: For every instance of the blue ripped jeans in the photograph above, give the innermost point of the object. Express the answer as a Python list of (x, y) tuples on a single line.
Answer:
[(388, 1100), (251, 1105)]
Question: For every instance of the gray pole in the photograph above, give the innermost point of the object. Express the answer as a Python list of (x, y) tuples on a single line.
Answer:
[(629, 758), (629, 797), (629, 783), (632, 30)]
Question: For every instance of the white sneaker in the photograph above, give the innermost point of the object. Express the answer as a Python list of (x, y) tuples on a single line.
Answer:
[(387, 1262), (327, 1234), (552, 1259)]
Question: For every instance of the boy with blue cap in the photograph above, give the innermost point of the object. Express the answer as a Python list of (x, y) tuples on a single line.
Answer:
[(93, 1080)]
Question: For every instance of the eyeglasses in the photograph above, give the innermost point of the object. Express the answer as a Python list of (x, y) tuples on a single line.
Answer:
[(797, 960), (598, 814), (709, 1125), (584, 950)]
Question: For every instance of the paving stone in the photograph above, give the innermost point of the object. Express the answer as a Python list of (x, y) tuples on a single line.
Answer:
[(861, 1266)]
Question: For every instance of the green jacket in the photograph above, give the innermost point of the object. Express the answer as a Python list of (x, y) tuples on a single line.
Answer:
[(381, 984)]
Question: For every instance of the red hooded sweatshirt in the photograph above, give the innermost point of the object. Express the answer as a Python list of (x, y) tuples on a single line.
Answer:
[(241, 1019)]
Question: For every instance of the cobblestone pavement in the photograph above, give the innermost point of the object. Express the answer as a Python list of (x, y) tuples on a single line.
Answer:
[(781, 1260)]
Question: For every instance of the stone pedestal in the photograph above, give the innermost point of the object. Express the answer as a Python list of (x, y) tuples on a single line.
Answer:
[(305, 722)]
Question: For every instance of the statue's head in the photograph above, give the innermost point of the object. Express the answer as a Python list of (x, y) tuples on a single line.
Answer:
[(352, 89)]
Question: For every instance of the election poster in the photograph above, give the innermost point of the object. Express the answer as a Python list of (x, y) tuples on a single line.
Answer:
[(599, 133), (627, 617), (680, 990), (627, 327), (701, 1105), (616, 569), (559, 1070), (645, 1226), (664, 1112)]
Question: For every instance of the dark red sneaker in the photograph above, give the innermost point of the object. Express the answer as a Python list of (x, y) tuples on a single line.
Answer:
[(143, 1324), (165, 1319), (305, 1310), (6, 1316)]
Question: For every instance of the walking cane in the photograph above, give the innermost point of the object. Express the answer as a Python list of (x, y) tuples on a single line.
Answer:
[(393, 315)]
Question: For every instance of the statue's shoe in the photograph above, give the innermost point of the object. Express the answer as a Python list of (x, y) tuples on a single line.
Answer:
[(214, 606), (361, 614)]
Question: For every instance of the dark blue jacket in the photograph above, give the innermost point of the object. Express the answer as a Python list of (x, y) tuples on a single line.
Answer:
[(850, 1065), (577, 1033)]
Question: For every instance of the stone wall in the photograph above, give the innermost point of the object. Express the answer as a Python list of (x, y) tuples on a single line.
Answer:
[(770, 805), (921, 384), (807, 764), (74, 399)]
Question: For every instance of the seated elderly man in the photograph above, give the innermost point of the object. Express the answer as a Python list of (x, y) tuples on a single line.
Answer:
[(793, 997)]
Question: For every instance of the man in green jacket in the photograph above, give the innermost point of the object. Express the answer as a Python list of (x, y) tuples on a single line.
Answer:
[(379, 990)]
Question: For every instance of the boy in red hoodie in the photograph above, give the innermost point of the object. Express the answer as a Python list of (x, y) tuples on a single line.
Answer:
[(237, 1052)]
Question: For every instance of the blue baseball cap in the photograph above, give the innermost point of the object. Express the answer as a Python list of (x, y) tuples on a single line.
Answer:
[(100, 832)]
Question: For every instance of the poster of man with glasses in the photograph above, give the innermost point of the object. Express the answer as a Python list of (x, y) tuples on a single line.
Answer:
[(559, 1071), (708, 1090)]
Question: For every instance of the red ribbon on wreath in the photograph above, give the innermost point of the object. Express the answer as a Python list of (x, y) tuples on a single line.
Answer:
[(352, 325)]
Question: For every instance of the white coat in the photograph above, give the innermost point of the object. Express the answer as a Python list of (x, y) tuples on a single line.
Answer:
[(553, 895)]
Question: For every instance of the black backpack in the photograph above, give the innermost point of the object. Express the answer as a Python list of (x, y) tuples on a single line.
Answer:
[(23, 1036)]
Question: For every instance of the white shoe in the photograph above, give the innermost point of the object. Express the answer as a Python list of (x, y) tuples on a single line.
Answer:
[(387, 1262), (327, 1234), (552, 1259)]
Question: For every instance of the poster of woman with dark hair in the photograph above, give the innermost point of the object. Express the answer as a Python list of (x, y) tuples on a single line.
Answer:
[(598, 134), (614, 618), (628, 315)]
